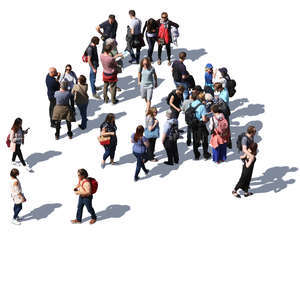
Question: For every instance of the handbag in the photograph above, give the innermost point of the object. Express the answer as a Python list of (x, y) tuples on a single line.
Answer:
[(154, 134), (71, 115), (104, 140), (161, 41)]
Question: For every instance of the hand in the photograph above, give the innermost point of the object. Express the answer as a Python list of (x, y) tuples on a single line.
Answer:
[(58, 74), (155, 85), (179, 109), (94, 70), (77, 192)]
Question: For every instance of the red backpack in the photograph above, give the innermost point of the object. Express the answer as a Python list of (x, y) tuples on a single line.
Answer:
[(223, 129), (8, 141), (93, 182)]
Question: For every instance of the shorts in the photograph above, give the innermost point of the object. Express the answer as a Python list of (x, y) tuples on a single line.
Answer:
[(146, 93)]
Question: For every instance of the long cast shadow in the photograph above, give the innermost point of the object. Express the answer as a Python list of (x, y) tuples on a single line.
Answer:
[(41, 212), (37, 157)]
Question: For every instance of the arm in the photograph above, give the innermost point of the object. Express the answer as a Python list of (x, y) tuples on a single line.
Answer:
[(247, 152), (106, 133), (98, 28), (153, 126), (173, 24), (163, 138), (16, 187), (91, 65), (155, 79), (139, 78), (85, 190), (118, 55), (172, 105)]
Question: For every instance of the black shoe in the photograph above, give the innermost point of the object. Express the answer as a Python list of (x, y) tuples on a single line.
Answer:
[(188, 143), (207, 156), (147, 171), (119, 89), (168, 163), (136, 179), (180, 131), (197, 158), (116, 101), (80, 127)]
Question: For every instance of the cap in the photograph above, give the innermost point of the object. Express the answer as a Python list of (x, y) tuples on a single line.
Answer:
[(209, 66)]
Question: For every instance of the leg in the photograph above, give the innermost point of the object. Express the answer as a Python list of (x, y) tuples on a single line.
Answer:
[(151, 42), (106, 153), (89, 207), (186, 90), (159, 51), (72, 100), (138, 164), (189, 135), (150, 149), (113, 91), (79, 209), (52, 103), (223, 152), (175, 152), (57, 126), (215, 154), (112, 153), (93, 81), (69, 126), (14, 156), (83, 113), (168, 47), (19, 154), (169, 151), (149, 94), (196, 142), (17, 209), (105, 87), (204, 138), (138, 52), (144, 158)]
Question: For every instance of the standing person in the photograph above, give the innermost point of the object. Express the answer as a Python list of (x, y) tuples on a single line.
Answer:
[(17, 195), (71, 78), (164, 36), (168, 139), (52, 83), (140, 145), (176, 98), (147, 79), (93, 62), (221, 93), (209, 70), (110, 74), (108, 129), (151, 132), (246, 176), (219, 75), (16, 138), (63, 110), (200, 132), (219, 134), (180, 74), (84, 190), (108, 29), (151, 28), (135, 29), (81, 99)]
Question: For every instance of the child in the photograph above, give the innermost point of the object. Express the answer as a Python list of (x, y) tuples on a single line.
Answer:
[(249, 160)]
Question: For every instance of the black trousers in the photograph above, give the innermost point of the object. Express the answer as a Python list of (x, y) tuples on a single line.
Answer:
[(245, 179), (52, 103), (57, 126), (189, 134), (18, 153), (151, 149), (168, 47), (200, 134), (151, 42), (172, 151)]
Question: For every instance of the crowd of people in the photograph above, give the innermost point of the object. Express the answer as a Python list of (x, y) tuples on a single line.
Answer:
[(206, 109)]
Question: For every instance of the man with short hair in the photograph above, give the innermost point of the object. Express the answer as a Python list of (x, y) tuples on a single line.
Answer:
[(176, 101), (52, 82), (93, 61), (108, 29)]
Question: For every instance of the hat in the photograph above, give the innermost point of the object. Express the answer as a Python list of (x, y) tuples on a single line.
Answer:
[(223, 71), (209, 66), (198, 88)]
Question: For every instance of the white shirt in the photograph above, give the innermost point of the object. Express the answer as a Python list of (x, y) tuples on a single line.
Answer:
[(136, 25), (15, 191)]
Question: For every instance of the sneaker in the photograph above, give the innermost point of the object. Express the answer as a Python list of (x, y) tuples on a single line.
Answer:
[(207, 156), (28, 169), (96, 96), (16, 222), (14, 164), (19, 219), (133, 61), (154, 160), (75, 222), (159, 62), (119, 89), (147, 171), (98, 88), (136, 179), (116, 101), (169, 63), (93, 221), (248, 194), (168, 163), (102, 165), (235, 194)]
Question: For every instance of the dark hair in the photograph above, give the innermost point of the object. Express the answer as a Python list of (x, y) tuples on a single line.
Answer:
[(68, 66), (182, 55), (180, 88), (132, 12), (215, 108), (83, 173), (95, 40), (111, 16), (253, 148), (164, 13), (148, 63), (17, 125), (151, 24), (109, 118), (82, 79), (218, 86), (108, 48), (194, 95), (14, 173), (251, 129), (138, 133)]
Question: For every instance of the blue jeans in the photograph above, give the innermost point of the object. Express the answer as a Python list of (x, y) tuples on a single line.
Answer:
[(109, 151), (136, 56), (83, 111), (93, 80), (85, 201), (186, 90), (151, 42), (17, 209), (139, 163)]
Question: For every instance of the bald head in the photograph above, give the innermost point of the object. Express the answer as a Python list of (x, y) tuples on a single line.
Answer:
[(52, 71)]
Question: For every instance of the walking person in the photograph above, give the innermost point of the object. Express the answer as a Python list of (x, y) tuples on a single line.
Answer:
[(93, 61), (81, 98), (164, 37), (52, 83), (110, 74), (17, 195), (219, 134), (247, 171), (63, 110), (70, 78), (147, 80), (151, 132), (169, 139), (108, 29), (16, 138), (108, 130), (208, 77), (84, 190), (175, 101), (140, 145), (151, 29), (180, 74)]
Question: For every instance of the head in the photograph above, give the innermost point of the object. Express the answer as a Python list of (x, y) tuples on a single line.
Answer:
[(52, 72), (208, 97), (108, 48), (182, 56), (68, 68), (209, 68), (152, 112), (164, 16), (111, 42), (82, 174), (82, 79), (111, 19), (223, 72), (251, 131), (145, 62), (169, 114), (63, 85), (180, 89), (14, 173), (110, 118), (132, 13), (215, 109), (17, 124), (218, 86), (95, 40), (201, 97), (198, 89), (194, 95), (138, 133)]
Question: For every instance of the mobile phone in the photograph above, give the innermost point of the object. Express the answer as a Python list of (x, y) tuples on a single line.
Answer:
[(27, 129)]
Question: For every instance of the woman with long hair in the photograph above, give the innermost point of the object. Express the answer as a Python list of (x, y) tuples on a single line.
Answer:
[(108, 129), (70, 78), (147, 80), (151, 28), (151, 132), (140, 145), (16, 138)]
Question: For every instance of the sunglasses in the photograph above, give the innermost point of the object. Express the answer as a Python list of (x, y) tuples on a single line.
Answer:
[(68, 69)]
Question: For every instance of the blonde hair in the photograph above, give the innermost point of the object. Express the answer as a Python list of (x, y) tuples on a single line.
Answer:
[(152, 110)]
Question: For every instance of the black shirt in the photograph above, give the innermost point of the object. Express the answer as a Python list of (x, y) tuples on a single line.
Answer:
[(179, 69), (110, 128), (109, 30), (52, 86), (93, 53)]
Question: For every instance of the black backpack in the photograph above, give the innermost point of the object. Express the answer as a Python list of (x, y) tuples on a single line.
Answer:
[(230, 85), (190, 115), (174, 133), (239, 141), (224, 108)]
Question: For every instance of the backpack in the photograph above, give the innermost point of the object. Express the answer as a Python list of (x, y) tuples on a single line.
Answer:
[(85, 56), (190, 115), (173, 93), (190, 82), (176, 75), (174, 133), (8, 141), (222, 128), (94, 184), (239, 141), (224, 108), (230, 85)]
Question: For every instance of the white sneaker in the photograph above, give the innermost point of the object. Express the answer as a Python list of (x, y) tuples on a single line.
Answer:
[(14, 163), (28, 169), (16, 222), (19, 219)]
